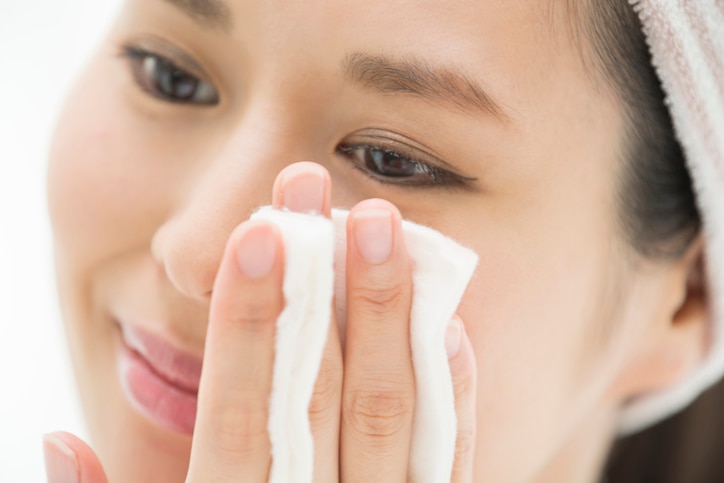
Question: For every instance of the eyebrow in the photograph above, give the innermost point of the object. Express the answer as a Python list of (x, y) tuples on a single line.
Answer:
[(209, 14), (442, 85)]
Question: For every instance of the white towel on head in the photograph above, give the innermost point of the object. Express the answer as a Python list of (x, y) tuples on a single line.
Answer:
[(686, 38), (442, 270)]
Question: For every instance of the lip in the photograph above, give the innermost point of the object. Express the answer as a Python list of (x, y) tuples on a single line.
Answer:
[(159, 380)]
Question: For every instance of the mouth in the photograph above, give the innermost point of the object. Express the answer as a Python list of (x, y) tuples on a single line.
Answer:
[(160, 381)]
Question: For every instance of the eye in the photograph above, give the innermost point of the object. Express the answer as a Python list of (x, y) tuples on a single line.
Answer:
[(161, 78), (392, 167)]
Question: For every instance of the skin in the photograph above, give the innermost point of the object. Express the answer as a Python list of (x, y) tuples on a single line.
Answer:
[(148, 202)]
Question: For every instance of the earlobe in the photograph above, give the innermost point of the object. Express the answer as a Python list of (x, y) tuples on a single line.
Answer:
[(678, 342)]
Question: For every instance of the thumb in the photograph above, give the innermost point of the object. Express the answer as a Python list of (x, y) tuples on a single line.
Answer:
[(69, 460)]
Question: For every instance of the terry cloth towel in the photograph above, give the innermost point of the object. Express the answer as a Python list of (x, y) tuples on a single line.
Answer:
[(686, 39), (314, 247)]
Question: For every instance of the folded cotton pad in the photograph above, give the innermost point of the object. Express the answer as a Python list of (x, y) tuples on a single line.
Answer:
[(314, 277)]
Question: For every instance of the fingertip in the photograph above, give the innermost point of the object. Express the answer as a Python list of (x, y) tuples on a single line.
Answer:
[(61, 463), (277, 193), (453, 337), (68, 459), (460, 351), (303, 187), (374, 232), (258, 248), (377, 204)]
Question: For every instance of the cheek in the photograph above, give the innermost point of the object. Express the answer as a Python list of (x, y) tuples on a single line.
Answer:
[(536, 314), (97, 202), (537, 380), (105, 182), (543, 315)]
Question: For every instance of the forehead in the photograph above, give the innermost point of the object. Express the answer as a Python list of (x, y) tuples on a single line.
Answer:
[(505, 44), (448, 27), (460, 19), (426, 21)]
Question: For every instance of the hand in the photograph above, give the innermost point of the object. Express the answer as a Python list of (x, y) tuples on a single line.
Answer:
[(361, 411)]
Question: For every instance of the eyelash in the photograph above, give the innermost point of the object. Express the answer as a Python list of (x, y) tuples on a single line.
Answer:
[(368, 159), (164, 71)]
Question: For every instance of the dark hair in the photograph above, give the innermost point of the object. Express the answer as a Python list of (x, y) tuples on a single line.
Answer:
[(686, 448), (657, 207), (660, 219)]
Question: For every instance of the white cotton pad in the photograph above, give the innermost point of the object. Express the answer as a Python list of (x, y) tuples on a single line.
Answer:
[(442, 270), (301, 334)]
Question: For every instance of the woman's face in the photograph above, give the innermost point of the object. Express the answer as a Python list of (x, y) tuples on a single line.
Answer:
[(495, 96)]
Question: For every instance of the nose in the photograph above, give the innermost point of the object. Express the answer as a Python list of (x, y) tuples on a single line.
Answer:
[(189, 244)]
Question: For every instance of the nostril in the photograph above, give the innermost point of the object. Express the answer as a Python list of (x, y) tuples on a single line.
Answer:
[(188, 243), (189, 261), (192, 272)]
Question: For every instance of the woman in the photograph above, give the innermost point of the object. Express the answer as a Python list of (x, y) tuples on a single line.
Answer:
[(533, 132)]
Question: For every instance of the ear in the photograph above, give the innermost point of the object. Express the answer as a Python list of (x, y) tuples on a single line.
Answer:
[(675, 342)]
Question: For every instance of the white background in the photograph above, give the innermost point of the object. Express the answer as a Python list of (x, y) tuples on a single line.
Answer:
[(43, 44)]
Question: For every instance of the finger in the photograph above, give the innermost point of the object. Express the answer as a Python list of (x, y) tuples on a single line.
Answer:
[(464, 378), (231, 441), (69, 460), (379, 387), (306, 187), (324, 410)]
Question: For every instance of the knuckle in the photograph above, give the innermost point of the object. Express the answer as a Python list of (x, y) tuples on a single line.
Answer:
[(239, 432), (382, 300), (252, 309), (464, 451), (327, 391), (254, 316), (464, 386), (378, 414)]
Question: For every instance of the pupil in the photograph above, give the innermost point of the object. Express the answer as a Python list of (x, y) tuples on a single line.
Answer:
[(175, 83), (184, 85), (390, 164)]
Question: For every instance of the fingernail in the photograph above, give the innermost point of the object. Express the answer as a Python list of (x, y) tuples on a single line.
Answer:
[(453, 337), (61, 465), (257, 251), (303, 188), (373, 234)]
